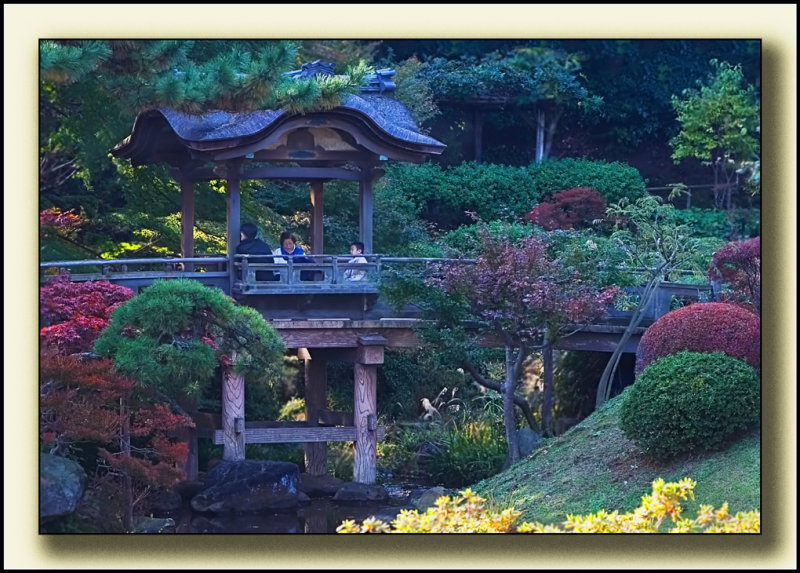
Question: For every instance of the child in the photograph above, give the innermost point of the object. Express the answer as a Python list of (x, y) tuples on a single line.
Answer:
[(356, 248)]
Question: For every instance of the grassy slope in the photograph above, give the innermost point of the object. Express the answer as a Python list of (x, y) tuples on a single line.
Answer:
[(594, 466)]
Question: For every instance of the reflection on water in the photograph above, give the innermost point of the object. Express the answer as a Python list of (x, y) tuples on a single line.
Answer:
[(320, 515)]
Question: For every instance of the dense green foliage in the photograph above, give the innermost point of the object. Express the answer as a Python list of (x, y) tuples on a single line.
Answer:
[(493, 192), (691, 401), (720, 125), (457, 440), (174, 335)]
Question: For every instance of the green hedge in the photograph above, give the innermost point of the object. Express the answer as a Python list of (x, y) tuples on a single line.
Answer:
[(495, 191)]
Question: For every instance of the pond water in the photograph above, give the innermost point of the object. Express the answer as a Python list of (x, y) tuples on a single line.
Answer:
[(320, 515)]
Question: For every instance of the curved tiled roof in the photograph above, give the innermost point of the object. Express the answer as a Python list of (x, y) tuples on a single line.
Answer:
[(170, 135)]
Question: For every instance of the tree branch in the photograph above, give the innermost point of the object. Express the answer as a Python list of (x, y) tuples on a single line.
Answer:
[(492, 385)]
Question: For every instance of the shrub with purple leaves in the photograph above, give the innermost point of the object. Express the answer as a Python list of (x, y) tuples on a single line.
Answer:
[(574, 208), (738, 266), (703, 327)]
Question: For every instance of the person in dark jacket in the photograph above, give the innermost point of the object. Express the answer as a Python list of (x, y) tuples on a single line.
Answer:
[(251, 245)]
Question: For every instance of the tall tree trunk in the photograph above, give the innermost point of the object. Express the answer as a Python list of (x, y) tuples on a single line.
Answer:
[(551, 132), (540, 135), (547, 394), (125, 447), (498, 387), (648, 294), (509, 388)]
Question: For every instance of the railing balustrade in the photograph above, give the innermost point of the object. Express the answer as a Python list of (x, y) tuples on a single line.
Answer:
[(323, 274)]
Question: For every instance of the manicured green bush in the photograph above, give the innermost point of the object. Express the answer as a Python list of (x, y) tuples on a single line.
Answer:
[(493, 191), (690, 401), (703, 327)]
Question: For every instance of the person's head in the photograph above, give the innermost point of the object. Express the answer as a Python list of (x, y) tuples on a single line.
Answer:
[(356, 248), (248, 231), (287, 241)]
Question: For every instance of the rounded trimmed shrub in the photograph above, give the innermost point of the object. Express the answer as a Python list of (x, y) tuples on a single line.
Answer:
[(690, 401), (703, 327)]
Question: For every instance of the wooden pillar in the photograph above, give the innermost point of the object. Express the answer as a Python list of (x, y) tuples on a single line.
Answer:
[(478, 133), (232, 414), (316, 453), (187, 222), (189, 435), (316, 217), (233, 196), (365, 408), (365, 209)]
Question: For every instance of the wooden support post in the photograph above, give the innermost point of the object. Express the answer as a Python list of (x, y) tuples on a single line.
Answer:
[(365, 209), (316, 453), (187, 222), (233, 414), (189, 435), (317, 205), (365, 408), (478, 135), (233, 192)]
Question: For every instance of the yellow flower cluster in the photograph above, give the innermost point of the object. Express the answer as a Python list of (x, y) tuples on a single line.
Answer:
[(466, 513)]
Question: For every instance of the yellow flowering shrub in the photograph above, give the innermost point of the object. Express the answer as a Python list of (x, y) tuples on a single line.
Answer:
[(467, 513)]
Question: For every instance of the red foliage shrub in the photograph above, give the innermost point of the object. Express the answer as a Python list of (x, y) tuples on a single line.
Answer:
[(87, 401), (738, 266), (75, 313), (57, 219), (569, 209), (703, 327), (61, 299)]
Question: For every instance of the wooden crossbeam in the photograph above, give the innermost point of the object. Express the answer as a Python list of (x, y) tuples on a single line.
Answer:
[(295, 435)]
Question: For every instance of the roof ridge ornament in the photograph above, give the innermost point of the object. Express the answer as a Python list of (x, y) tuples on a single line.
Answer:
[(378, 82), (381, 81), (313, 69)]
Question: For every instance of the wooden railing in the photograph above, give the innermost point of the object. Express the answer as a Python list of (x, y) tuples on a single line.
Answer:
[(332, 274), (323, 274), (109, 269)]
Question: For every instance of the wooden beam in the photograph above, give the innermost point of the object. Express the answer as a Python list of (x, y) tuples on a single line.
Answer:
[(298, 435), (305, 173), (370, 349), (297, 338)]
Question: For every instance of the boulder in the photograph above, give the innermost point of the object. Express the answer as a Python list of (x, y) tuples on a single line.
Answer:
[(319, 486), (429, 497), (528, 440), (353, 492), (61, 485), (154, 525), (249, 486)]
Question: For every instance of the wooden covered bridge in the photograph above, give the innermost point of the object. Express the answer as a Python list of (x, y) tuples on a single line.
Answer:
[(318, 313)]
